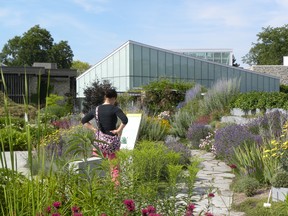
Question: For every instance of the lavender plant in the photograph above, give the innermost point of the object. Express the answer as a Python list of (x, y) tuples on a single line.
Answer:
[(230, 137), (196, 132), (219, 96)]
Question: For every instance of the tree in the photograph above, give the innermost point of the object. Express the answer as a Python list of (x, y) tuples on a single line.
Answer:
[(80, 66), (271, 46), (36, 45), (94, 95), (234, 63)]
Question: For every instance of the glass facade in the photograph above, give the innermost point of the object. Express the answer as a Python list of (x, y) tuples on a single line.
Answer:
[(222, 56), (133, 65)]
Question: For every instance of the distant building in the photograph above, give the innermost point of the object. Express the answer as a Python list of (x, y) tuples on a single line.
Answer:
[(61, 81), (134, 64), (222, 56)]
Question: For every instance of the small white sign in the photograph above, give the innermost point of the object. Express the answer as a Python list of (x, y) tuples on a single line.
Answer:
[(130, 132)]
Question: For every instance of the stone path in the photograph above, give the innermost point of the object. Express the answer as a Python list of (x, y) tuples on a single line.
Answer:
[(214, 177)]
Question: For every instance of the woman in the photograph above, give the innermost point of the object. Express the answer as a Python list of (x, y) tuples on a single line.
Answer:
[(106, 116)]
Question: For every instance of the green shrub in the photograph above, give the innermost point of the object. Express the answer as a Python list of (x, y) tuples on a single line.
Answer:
[(246, 185), (181, 122), (153, 129), (53, 112), (164, 95), (219, 96), (16, 138), (260, 100), (150, 161), (280, 179), (16, 122)]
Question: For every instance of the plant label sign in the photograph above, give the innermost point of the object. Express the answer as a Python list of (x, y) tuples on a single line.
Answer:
[(130, 132)]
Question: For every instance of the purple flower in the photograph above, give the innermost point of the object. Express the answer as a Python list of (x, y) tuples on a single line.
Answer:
[(144, 212), (48, 209), (211, 195), (77, 214), (151, 209)]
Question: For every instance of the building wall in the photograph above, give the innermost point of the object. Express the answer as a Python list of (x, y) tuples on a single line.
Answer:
[(149, 63), (114, 68), (134, 64), (275, 70)]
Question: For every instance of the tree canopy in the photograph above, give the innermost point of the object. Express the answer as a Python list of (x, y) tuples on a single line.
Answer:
[(80, 66), (271, 46), (36, 45)]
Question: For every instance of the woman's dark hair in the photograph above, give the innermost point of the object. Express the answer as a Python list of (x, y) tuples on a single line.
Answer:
[(110, 93)]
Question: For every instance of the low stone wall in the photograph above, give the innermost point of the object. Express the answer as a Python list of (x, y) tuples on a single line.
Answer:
[(275, 70)]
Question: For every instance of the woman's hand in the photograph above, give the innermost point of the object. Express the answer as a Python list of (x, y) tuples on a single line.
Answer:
[(117, 132)]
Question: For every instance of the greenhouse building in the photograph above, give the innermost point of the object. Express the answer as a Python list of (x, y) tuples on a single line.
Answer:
[(134, 64)]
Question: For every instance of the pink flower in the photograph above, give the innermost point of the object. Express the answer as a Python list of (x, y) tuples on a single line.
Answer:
[(130, 205), (57, 205), (233, 166), (77, 214), (48, 209), (208, 214), (188, 213), (211, 195), (75, 209), (154, 214), (56, 214), (103, 214)]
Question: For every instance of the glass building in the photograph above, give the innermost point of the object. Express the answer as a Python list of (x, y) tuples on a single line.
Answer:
[(133, 65), (222, 56)]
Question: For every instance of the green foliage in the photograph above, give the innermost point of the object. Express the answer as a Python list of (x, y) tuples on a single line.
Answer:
[(280, 179), (153, 129), (94, 95), (80, 66), (164, 95), (247, 185), (261, 100), (16, 122), (17, 138), (254, 206), (284, 88), (124, 100), (270, 48), (180, 122), (54, 99), (250, 160), (36, 45), (219, 96), (53, 112), (157, 158)]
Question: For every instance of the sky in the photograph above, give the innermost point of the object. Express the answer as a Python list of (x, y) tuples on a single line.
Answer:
[(95, 28)]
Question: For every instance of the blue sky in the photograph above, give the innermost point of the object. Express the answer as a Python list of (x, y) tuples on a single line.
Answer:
[(94, 28)]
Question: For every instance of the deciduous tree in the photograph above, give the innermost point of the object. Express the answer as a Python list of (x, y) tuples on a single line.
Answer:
[(271, 46)]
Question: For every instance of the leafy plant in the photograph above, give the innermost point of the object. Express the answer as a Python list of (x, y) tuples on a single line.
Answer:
[(164, 95), (230, 137), (181, 122), (196, 132), (219, 96), (280, 179), (246, 184)]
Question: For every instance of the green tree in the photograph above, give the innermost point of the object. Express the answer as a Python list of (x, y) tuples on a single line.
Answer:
[(80, 66), (271, 46), (36, 45), (94, 95)]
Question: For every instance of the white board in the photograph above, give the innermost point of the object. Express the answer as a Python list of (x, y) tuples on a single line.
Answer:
[(130, 132)]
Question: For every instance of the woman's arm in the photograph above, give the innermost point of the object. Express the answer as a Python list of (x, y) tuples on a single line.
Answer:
[(86, 121)]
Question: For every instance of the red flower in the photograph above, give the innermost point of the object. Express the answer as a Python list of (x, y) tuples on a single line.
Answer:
[(151, 209), (48, 209), (57, 205), (75, 209), (208, 214), (188, 213), (77, 214), (191, 207), (144, 212), (56, 214), (130, 205), (233, 166), (103, 214), (154, 214), (211, 195)]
